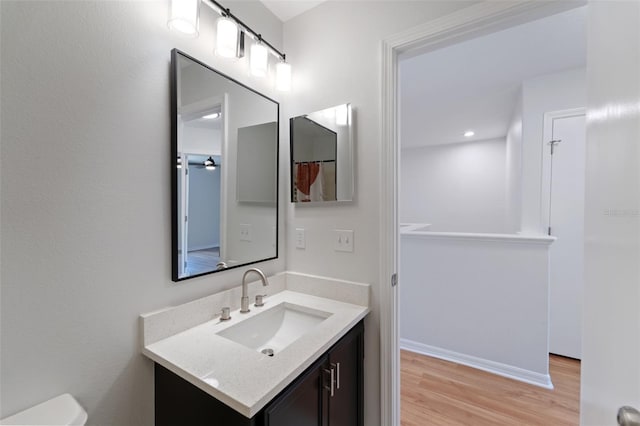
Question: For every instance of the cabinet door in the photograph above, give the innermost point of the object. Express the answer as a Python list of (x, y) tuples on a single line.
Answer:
[(346, 358), (301, 404)]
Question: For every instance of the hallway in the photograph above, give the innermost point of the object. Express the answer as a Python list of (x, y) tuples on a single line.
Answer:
[(437, 392)]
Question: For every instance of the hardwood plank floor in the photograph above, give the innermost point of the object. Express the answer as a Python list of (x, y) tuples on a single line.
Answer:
[(204, 260), (437, 392)]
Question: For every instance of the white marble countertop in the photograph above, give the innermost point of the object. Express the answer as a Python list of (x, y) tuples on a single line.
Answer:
[(240, 377)]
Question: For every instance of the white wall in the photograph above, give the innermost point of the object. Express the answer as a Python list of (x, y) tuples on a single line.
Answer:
[(553, 92), (336, 51), (514, 169), (200, 140), (492, 313), (86, 241), (455, 187), (250, 110), (611, 318)]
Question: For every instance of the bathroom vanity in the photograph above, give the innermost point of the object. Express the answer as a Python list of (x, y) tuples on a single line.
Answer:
[(297, 360), (330, 392)]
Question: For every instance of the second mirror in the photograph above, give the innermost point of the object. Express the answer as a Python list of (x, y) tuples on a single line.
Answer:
[(322, 155)]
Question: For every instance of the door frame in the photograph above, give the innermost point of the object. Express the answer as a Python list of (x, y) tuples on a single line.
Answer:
[(467, 23), (547, 127)]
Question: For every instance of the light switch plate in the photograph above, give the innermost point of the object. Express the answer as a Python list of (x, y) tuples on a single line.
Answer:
[(343, 240), (246, 232), (301, 242)]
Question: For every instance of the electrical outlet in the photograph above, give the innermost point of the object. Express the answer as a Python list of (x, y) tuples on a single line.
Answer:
[(343, 240), (301, 242), (246, 232)]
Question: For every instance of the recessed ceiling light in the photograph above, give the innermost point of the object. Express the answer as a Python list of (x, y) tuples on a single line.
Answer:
[(469, 133), (211, 116)]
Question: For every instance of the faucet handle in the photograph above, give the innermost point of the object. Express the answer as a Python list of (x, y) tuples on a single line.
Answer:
[(260, 300), (226, 314)]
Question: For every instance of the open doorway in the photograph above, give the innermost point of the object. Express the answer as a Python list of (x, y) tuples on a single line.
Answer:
[(471, 208)]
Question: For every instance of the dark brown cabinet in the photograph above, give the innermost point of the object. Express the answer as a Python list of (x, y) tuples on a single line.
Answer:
[(329, 393)]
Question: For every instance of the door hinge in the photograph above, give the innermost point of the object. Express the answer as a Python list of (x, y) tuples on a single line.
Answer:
[(394, 280)]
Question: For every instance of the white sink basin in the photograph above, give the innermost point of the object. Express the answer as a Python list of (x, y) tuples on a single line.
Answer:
[(276, 328)]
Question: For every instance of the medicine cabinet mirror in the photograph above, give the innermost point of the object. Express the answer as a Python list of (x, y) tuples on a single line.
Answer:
[(322, 156), (224, 171)]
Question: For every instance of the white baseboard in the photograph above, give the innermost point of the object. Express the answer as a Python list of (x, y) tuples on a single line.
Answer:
[(505, 370)]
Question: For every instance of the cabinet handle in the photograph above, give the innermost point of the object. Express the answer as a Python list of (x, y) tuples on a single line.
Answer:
[(337, 367), (331, 380)]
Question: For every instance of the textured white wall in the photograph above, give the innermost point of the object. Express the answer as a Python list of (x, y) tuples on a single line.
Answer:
[(336, 51), (85, 216), (455, 187), (611, 318), (551, 92)]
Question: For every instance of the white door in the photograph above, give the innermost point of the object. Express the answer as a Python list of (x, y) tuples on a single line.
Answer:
[(565, 162), (610, 375)]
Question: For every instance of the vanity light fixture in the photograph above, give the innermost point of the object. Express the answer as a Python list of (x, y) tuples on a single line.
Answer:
[(210, 163), (227, 38), (469, 133), (184, 16), (283, 76), (259, 59), (230, 36)]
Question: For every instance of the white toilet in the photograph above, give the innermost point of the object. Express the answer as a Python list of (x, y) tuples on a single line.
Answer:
[(61, 410)]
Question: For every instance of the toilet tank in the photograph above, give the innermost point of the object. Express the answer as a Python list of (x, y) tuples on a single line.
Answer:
[(62, 410)]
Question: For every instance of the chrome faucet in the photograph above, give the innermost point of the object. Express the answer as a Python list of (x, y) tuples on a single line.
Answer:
[(244, 301)]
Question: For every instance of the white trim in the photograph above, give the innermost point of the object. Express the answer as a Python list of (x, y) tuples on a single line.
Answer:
[(547, 135), (478, 19), (491, 238), (504, 370)]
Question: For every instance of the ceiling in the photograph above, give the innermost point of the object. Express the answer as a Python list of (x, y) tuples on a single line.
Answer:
[(476, 84), (287, 9)]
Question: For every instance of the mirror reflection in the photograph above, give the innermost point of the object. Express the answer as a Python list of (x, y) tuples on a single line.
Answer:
[(225, 148), (322, 156)]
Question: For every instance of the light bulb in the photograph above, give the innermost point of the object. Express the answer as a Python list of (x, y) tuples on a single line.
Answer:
[(184, 16), (227, 38), (283, 76), (469, 133), (259, 60)]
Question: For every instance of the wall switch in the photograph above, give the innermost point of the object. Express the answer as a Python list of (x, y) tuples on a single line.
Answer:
[(246, 232), (343, 240), (301, 242)]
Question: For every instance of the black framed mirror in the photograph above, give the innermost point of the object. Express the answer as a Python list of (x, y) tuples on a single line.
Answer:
[(224, 171)]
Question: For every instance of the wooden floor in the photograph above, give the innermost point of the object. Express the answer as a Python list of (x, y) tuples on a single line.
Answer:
[(436, 392), (204, 260)]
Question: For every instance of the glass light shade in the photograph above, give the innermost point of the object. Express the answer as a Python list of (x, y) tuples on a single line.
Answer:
[(227, 38), (283, 76), (184, 16), (259, 60)]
